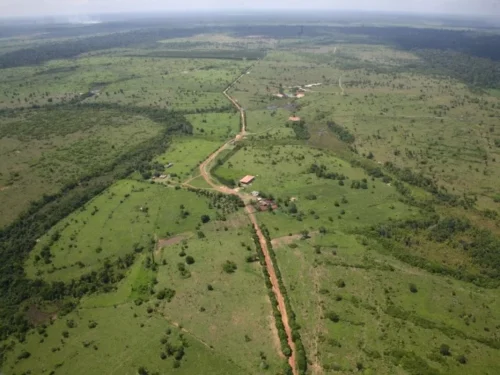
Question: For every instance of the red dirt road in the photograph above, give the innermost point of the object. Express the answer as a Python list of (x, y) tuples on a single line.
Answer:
[(269, 263)]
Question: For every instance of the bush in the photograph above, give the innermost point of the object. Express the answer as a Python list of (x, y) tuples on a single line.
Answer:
[(229, 267), (334, 317), (189, 259), (24, 355), (210, 287), (462, 359), (340, 283), (205, 219), (413, 288), (166, 293), (444, 350)]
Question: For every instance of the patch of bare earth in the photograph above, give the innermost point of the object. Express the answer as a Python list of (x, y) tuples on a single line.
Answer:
[(287, 240), (164, 242), (36, 316)]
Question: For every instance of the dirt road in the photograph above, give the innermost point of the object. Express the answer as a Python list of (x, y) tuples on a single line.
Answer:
[(205, 172)]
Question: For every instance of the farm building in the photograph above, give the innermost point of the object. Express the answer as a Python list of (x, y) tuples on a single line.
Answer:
[(266, 204), (247, 180)]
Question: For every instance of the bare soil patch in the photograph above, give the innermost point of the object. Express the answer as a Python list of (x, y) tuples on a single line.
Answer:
[(294, 118), (36, 316), (164, 242)]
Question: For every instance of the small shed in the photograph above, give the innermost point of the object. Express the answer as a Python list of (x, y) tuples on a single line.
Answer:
[(247, 180)]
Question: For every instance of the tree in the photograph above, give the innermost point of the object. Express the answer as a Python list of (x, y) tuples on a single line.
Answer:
[(205, 219), (413, 288), (340, 283), (189, 259), (462, 359), (142, 371)]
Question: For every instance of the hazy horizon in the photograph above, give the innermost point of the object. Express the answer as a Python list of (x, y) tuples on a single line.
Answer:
[(34, 8)]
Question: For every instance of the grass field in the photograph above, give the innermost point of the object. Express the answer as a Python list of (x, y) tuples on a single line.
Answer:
[(159, 275), (381, 326), (44, 149), (130, 215)]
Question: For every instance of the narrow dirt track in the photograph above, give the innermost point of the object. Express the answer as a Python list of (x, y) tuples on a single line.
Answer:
[(204, 170)]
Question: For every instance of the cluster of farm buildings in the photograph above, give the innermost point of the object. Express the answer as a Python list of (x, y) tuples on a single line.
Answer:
[(263, 204)]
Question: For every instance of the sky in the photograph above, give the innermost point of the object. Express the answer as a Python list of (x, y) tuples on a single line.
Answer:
[(15, 8)]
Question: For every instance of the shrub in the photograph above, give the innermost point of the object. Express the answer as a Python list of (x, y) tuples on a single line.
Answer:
[(340, 283), (210, 287), (166, 293), (462, 359), (92, 324), (413, 288), (189, 259), (24, 355), (205, 219), (229, 267), (334, 317), (444, 350)]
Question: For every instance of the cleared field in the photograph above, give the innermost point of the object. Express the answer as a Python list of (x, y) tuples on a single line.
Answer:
[(129, 217), (361, 310), (231, 311), (182, 84), (124, 338), (215, 126), (186, 154)]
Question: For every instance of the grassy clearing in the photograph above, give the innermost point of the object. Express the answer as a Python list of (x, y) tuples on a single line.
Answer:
[(186, 154), (215, 126)]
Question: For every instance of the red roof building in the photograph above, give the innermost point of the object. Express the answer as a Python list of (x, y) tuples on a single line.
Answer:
[(247, 179)]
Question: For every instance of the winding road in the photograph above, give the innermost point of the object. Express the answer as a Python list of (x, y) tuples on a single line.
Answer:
[(205, 172)]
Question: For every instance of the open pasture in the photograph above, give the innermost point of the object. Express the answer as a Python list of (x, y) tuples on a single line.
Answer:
[(361, 310), (130, 217)]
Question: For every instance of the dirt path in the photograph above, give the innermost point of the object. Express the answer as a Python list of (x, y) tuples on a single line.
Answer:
[(205, 172), (340, 85)]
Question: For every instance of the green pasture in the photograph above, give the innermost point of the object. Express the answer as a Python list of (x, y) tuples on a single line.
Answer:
[(128, 216), (382, 326)]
